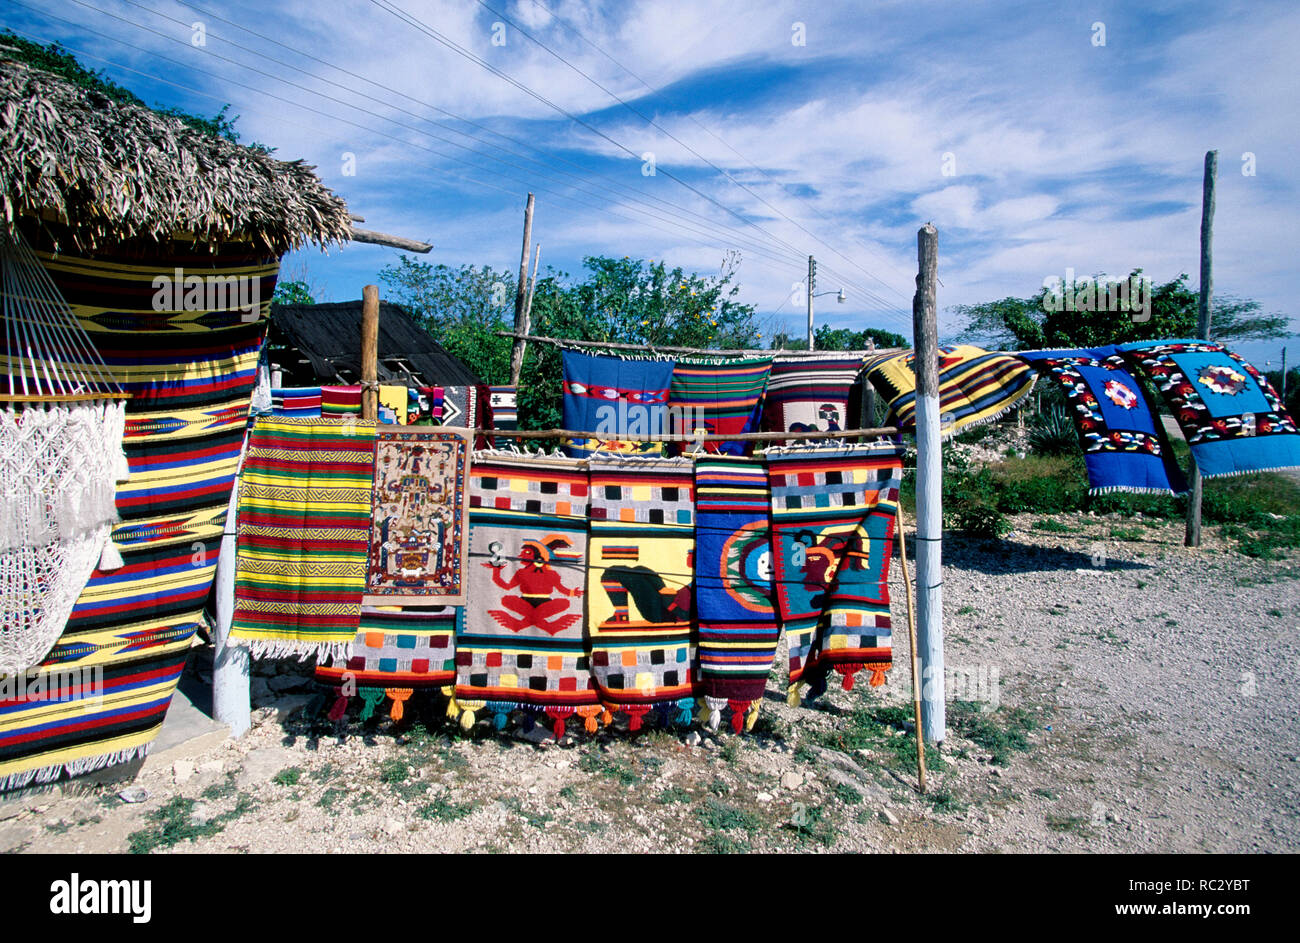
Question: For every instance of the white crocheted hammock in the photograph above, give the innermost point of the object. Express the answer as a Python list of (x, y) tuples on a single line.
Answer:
[(60, 459)]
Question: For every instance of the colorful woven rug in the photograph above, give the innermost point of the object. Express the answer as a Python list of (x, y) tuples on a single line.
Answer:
[(520, 644), (301, 401), (1124, 443), (1231, 416), (392, 404), (304, 517), (504, 411), (100, 696), (639, 584), (975, 386), (833, 513), (339, 401), (810, 393), (398, 650), (718, 397), (738, 631), (419, 532), (624, 401)]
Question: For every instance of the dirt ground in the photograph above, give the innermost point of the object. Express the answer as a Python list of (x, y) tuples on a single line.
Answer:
[(1109, 691)]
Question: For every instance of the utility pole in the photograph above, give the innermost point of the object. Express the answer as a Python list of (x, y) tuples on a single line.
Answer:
[(812, 281), (521, 298), (929, 486), (1192, 537), (1284, 375)]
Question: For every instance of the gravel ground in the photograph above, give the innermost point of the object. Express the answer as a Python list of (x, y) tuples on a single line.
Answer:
[(1129, 695)]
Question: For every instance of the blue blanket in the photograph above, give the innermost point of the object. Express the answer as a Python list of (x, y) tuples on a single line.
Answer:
[(1124, 444), (1229, 413)]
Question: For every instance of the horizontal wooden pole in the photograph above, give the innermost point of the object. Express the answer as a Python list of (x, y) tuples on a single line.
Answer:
[(699, 351), (60, 398), (393, 242), (676, 437)]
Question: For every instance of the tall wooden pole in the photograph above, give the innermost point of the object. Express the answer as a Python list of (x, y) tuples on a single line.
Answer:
[(812, 281), (911, 634), (1193, 536), (929, 485), (521, 298), (370, 352)]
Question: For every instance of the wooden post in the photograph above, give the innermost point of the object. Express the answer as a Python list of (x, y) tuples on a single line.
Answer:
[(911, 634), (370, 352), (521, 298), (532, 289), (929, 486), (1192, 538)]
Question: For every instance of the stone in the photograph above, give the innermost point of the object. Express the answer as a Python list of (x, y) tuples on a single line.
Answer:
[(888, 817), (693, 738), (764, 797), (261, 764), (182, 770), (133, 794), (393, 828), (791, 780), (202, 813)]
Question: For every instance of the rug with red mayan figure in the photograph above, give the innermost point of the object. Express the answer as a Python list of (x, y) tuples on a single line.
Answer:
[(520, 644)]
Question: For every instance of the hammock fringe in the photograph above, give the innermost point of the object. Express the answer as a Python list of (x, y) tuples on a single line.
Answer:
[(46, 775)]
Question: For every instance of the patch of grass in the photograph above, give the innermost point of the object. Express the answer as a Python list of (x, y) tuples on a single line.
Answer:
[(811, 824), (1068, 823), (1045, 793), (610, 766), (174, 823), (723, 816), (730, 750), (1275, 613), (325, 773), (1053, 526), (846, 794), (443, 809), (1126, 533), (967, 611), (288, 776), (771, 727), (330, 797), (569, 792), (222, 790), (943, 800), (720, 843), (1001, 732), (674, 795), (394, 772)]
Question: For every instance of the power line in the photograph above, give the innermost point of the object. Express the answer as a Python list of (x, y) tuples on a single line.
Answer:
[(418, 24), (672, 136)]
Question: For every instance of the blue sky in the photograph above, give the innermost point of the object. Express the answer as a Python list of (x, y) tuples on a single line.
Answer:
[(1060, 152)]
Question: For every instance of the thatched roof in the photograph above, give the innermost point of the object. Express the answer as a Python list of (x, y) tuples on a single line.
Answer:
[(112, 172), (328, 337)]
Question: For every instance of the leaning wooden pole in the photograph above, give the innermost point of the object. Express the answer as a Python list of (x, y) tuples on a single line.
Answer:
[(911, 634), (370, 352), (521, 298), (1192, 538), (929, 485)]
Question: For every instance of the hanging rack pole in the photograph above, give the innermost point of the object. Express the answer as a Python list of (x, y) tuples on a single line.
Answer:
[(697, 351), (709, 437), (911, 634)]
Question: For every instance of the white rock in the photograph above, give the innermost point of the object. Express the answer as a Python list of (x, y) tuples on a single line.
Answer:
[(182, 770), (791, 780), (889, 818), (764, 797), (133, 794), (393, 827), (693, 738)]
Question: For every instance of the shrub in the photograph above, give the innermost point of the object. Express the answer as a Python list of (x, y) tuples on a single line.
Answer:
[(1052, 432)]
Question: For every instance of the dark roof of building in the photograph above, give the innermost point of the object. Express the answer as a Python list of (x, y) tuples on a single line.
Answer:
[(329, 335)]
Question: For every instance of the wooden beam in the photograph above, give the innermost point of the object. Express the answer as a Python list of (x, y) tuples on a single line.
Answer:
[(929, 487), (1192, 535), (370, 352), (686, 437), (393, 242), (697, 351)]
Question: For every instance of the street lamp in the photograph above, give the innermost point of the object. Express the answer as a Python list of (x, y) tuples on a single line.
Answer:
[(840, 297)]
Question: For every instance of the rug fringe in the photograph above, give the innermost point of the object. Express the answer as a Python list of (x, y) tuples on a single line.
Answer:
[(323, 652), (1131, 489), (1249, 471), (79, 767), (985, 420)]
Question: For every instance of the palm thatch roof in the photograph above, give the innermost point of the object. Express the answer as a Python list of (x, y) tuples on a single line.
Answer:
[(111, 172)]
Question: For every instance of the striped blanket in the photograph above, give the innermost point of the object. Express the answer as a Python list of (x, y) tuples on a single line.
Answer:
[(521, 642), (738, 631), (811, 393), (398, 650), (503, 411), (301, 401), (100, 696), (1231, 416), (833, 513), (1124, 443), (639, 584), (975, 386), (419, 533), (304, 517), (718, 397)]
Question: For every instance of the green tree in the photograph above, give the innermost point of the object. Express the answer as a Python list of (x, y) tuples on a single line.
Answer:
[(1027, 324), (843, 338), (292, 293)]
